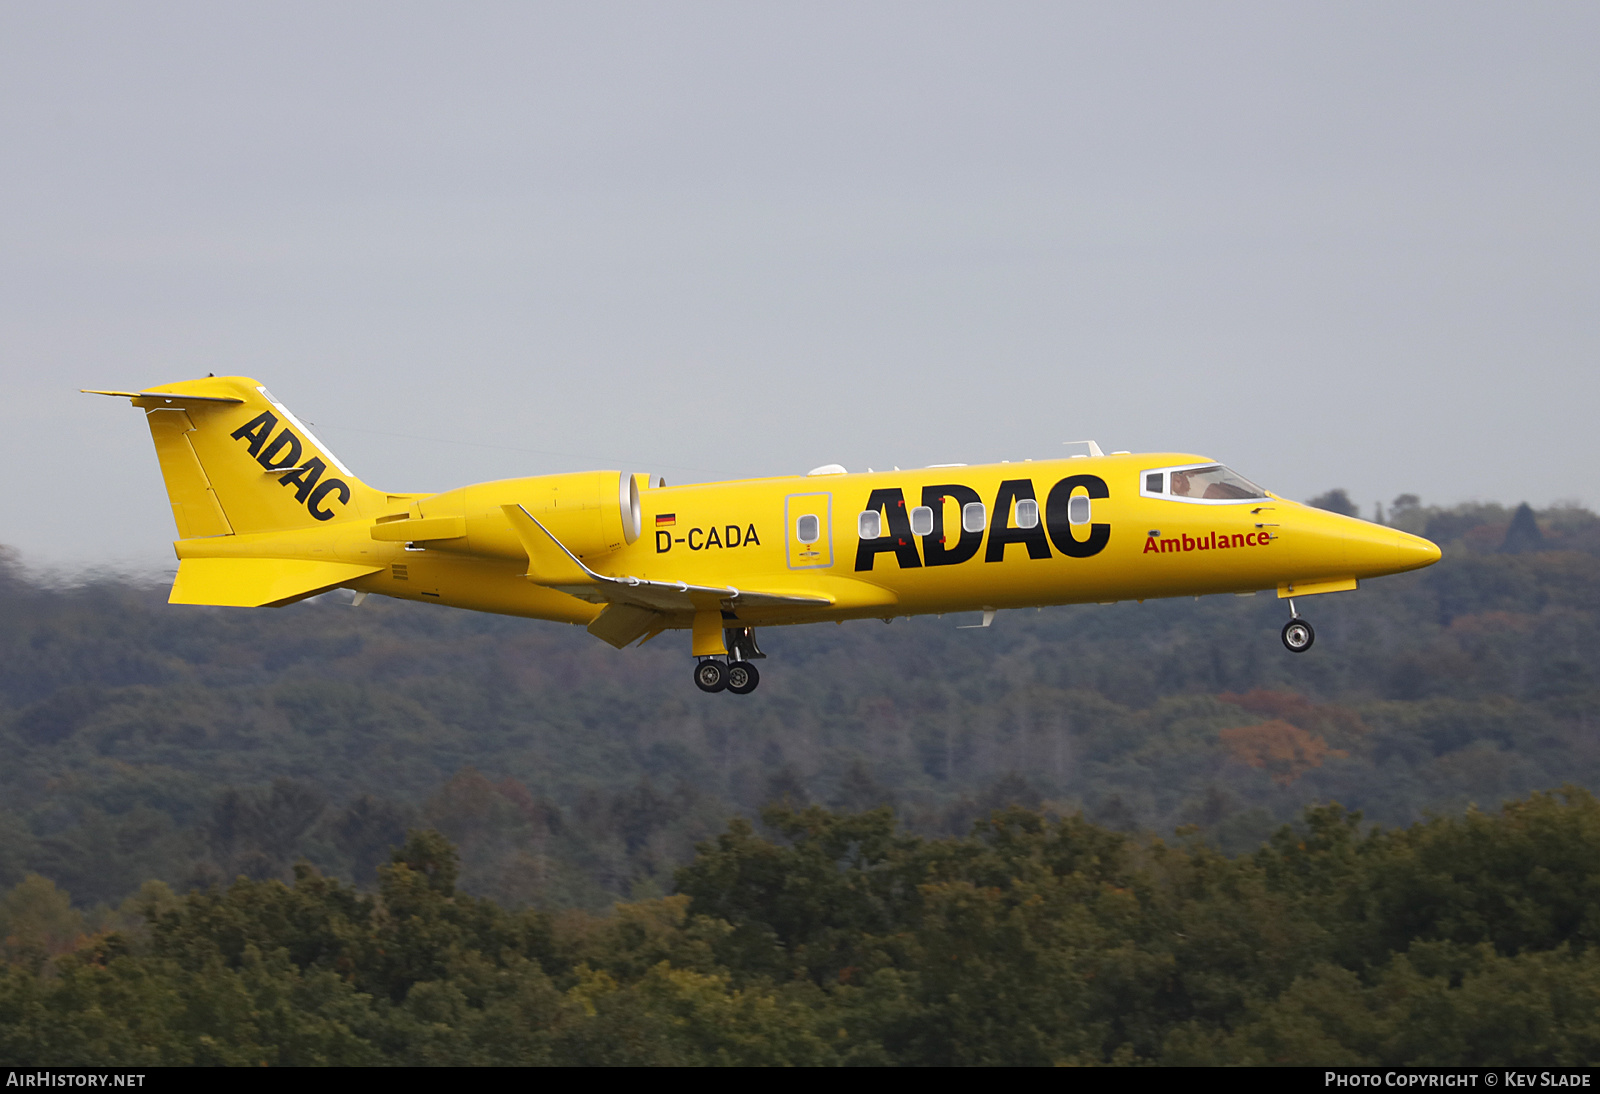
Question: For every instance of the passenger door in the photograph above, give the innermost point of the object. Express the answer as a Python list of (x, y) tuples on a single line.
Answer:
[(808, 530)]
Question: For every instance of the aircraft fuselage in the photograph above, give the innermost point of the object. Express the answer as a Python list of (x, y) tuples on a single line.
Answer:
[(267, 515)]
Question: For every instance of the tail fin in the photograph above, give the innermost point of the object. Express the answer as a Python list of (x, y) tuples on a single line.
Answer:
[(236, 461)]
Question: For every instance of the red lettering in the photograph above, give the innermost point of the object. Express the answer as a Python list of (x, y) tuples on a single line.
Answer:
[(1250, 539), (1238, 539), (1188, 544), (1150, 544)]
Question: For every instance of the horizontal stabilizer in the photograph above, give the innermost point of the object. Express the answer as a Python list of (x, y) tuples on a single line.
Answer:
[(258, 582), (165, 396)]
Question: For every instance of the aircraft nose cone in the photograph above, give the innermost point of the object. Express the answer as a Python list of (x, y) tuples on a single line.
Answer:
[(1421, 552), (1414, 552), (1374, 550)]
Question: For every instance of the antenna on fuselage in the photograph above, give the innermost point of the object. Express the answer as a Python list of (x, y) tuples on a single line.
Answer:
[(1094, 449)]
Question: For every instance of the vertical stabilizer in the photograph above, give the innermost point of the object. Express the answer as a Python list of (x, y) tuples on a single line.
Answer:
[(195, 507), (236, 460)]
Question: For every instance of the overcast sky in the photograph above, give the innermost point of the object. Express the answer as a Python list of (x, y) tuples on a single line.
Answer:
[(1346, 245)]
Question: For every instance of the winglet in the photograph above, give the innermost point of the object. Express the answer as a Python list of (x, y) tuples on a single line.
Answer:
[(549, 563)]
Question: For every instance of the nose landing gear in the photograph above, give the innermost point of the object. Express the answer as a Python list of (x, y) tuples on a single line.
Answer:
[(1297, 633)]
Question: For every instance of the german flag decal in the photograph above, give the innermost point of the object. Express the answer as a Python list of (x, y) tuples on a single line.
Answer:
[(666, 520)]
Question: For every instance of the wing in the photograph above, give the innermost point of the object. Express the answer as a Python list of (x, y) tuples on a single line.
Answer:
[(552, 565)]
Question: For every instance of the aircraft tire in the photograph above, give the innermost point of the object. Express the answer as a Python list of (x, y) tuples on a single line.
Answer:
[(742, 678), (711, 676), (1298, 636)]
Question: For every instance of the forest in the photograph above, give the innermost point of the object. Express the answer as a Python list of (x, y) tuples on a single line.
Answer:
[(1132, 833)]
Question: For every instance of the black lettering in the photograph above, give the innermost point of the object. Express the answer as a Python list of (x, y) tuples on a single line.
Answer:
[(893, 503), (713, 540), (282, 440), (933, 545), (304, 479), (693, 546), (663, 542), (730, 535), (750, 538), (1055, 517), (1014, 490), (328, 486), (257, 430)]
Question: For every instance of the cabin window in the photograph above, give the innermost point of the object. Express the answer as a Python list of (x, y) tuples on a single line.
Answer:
[(808, 529), (869, 525), (922, 521), (973, 516), (1214, 483), (1027, 513), (1207, 482), (1078, 509)]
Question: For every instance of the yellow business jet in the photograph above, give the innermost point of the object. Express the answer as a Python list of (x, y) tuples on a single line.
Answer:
[(267, 515)]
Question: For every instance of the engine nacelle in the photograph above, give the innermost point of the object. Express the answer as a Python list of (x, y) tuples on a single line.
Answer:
[(592, 513)]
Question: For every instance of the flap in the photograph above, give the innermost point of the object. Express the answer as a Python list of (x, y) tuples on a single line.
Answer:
[(258, 582), (620, 624)]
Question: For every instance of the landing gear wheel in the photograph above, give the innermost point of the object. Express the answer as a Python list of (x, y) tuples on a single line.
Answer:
[(711, 676), (742, 678), (1298, 636)]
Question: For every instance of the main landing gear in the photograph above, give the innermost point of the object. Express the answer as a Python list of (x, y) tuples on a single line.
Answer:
[(1297, 633), (736, 674)]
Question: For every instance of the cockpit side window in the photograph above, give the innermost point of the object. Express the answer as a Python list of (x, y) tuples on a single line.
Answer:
[(1210, 482)]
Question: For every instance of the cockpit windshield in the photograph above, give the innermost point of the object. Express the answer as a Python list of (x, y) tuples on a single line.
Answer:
[(1208, 482)]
